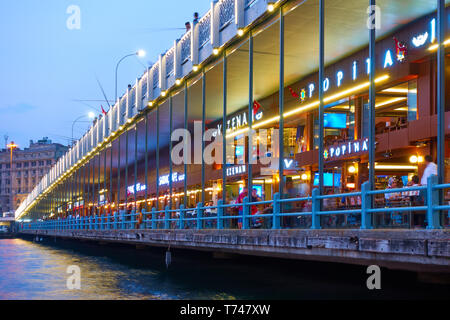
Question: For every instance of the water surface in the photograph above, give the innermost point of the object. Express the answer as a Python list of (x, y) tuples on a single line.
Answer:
[(30, 270)]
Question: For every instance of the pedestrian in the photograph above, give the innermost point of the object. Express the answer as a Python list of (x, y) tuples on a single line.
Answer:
[(240, 200), (416, 200), (256, 222), (288, 207), (430, 169), (391, 198)]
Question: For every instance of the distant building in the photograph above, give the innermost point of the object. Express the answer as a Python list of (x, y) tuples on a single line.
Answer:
[(29, 166)]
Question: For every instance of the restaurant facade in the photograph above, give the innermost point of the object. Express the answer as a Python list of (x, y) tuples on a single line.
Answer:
[(236, 91)]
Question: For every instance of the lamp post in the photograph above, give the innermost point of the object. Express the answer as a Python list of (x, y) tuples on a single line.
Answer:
[(91, 115), (140, 53), (11, 146)]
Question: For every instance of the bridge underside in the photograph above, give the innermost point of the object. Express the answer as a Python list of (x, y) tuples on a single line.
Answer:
[(418, 250)]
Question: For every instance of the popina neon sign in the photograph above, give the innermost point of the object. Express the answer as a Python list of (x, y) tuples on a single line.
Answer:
[(400, 55), (346, 149)]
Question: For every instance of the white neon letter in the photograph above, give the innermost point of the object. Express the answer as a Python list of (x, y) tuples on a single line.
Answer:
[(388, 59), (340, 76), (311, 89)]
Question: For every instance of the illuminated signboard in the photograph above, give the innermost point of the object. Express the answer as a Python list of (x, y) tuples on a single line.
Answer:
[(236, 170), (139, 187), (346, 149), (176, 177), (388, 59), (238, 121)]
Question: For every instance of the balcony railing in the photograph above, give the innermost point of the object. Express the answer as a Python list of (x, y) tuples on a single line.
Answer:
[(170, 62), (226, 14), (204, 29), (186, 47), (359, 216)]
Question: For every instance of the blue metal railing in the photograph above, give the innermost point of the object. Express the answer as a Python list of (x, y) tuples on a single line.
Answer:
[(217, 217)]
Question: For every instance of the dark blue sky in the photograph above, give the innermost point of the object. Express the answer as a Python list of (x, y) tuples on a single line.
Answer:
[(44, 66)]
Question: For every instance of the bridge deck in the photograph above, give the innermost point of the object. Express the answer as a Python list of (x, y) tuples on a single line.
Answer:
[(415, 250)]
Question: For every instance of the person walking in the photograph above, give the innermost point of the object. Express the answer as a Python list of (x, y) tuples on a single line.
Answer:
[(430, 169)]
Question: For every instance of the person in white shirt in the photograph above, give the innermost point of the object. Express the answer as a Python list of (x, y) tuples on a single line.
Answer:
[(431, 169)]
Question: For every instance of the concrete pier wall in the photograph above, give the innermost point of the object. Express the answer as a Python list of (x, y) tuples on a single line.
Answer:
[(414, 250)]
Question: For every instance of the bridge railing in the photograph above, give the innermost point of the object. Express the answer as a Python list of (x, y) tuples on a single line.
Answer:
[(218, 217)]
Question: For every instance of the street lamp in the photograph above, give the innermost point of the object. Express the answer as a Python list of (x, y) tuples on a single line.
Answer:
[(90, 115), (12, 146), (139, 53)]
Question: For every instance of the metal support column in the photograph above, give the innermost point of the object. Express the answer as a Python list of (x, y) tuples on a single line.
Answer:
[(157, 158), (170, 151), (203, 133), (185, 140), (118, 176), (126, 171), (146, 162), (321, 105), (281, 107), (372, 101), (250, 118), (441, 27), (111, 179), (135, 166), (224, 130)]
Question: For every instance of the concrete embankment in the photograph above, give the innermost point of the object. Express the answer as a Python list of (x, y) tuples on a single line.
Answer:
[(414, 250)]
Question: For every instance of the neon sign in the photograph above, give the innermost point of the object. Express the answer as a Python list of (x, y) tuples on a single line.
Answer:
[(238, 121), (390, 57), (236, 170), (139, 187), (346, 149), (176, 177), (420, 40)]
